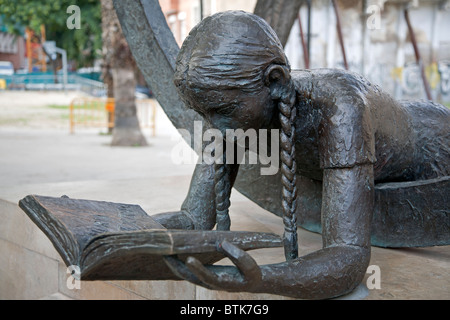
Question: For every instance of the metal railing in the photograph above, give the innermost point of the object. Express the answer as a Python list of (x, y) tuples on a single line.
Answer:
[(47, 82), (146, 113), (91, 112)]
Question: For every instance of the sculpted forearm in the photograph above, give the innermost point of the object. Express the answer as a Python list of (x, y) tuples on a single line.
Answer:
[(347, 206), (332, 271), (326, 273)]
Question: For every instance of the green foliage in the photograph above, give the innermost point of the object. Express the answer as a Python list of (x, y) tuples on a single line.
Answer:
[(82, 45)]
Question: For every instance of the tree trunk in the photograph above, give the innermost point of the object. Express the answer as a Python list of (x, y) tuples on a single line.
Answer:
[(118, 58), (126, 125)]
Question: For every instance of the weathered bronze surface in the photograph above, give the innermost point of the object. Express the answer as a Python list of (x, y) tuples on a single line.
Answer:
[(356, 165), (116, 241)]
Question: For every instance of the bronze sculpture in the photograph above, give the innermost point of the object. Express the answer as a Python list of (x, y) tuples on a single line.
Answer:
[(368, 152), (335, 127)]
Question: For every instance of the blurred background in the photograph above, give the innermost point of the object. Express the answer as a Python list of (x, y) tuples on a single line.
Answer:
[(403, 46)]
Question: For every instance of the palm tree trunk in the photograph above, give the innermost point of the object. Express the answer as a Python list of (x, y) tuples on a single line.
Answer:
[(118, 57), (126, 131)]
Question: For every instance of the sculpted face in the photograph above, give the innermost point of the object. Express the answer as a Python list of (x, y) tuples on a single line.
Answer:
[(235, 108), (229, 70)]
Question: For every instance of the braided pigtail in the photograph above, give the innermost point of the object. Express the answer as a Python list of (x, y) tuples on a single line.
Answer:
[(287, 109), (222, 188)]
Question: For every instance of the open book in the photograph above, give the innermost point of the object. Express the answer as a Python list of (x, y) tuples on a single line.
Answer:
[(115, 241)]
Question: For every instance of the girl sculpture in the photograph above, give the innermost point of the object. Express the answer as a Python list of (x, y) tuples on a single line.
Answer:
[(335, 127)]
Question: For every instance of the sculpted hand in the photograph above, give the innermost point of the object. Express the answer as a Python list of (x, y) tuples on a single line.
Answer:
[(245, 277)]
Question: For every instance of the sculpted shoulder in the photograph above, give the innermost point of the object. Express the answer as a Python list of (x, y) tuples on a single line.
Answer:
[(340, 104)]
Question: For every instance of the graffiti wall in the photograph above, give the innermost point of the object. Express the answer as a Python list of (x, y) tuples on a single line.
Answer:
[(378, 44)]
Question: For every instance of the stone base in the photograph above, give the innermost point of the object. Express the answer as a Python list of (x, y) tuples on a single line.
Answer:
[(30, 267)]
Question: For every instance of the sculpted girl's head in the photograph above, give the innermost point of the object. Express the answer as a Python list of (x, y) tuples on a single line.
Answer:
[(230, 69)]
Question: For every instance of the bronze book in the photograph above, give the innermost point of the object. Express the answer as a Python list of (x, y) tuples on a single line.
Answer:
[(115, 241)]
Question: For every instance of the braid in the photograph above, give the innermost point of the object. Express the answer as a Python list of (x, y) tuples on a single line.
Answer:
[(222, 188), (286, 106)]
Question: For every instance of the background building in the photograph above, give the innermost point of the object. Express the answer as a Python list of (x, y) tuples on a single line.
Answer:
[(12, 48), (377, 42)]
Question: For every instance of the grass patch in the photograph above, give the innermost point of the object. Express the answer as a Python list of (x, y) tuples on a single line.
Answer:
[(13, 121), (88, 114), (447, 104), (97, 107), (58, 106)]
